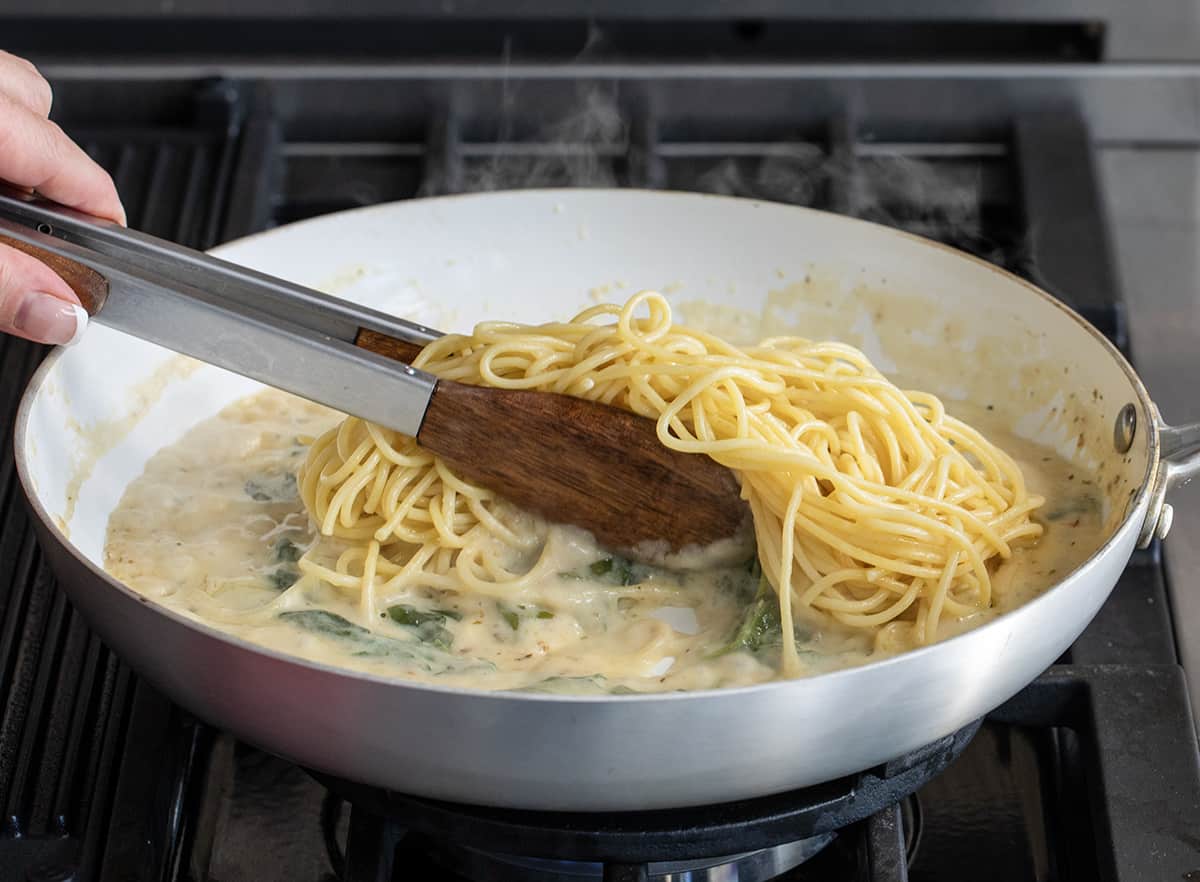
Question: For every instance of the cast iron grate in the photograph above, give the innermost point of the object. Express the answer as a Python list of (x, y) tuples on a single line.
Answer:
[(70, 704)]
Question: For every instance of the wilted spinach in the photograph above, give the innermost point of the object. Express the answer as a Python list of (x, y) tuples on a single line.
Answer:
[(429, 626), (282, 578), (761, 625), (272, 488), (287, 551), (367, 644)]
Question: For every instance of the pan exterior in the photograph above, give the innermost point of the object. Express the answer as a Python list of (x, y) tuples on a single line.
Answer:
[(589, 754), (580, 753)]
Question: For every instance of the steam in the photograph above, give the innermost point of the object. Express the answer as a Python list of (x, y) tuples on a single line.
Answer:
[(939, 200), (589, 146), (579, 150), (797, 177)]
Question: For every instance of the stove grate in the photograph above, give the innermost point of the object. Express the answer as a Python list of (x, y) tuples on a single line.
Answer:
[(73, 710)]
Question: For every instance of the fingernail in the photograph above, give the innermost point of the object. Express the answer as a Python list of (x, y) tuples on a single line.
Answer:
[(81, 323), (46, 318)]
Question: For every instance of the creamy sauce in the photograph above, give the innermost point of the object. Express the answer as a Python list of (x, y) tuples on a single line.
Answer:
[(96, 440), (214, 528)]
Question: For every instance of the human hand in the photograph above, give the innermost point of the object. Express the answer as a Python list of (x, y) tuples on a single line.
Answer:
[(35, 153)]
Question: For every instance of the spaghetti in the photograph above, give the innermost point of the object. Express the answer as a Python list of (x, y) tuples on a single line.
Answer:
[(871, 505)]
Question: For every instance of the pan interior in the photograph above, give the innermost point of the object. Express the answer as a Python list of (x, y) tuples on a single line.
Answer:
[(928, 317)]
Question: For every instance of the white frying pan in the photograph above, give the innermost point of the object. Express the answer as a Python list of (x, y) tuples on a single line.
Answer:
[(929, 316)]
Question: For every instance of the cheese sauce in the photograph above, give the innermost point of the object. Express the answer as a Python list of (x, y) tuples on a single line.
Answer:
[(214, 529)]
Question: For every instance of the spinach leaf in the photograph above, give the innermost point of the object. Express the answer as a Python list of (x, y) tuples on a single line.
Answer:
[(403, 611), (1085, 504), (513, 616), (272, 488), (403, 614), (367, 644), (614, 570), (761, 626), (602, 567), (283, 578), (741, 581), (287, 551), (429, 625), (323, 622), (617, 570)]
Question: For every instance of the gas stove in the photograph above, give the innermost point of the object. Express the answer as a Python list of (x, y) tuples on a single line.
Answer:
[(1016, 148)]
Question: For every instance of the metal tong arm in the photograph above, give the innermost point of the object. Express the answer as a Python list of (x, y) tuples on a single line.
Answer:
[(274, 331), (175, 264)]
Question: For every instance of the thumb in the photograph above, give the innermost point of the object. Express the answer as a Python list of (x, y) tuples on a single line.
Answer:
[(35, 303)]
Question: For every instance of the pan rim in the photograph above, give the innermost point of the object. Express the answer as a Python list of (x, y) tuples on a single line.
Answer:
[(1136, 505)]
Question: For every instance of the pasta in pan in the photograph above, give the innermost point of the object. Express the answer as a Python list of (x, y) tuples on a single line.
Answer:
[(881, 522), (873, 508)]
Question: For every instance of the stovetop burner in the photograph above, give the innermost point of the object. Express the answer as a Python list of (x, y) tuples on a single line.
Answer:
[(759, 865), (746, 840), (752, 866)]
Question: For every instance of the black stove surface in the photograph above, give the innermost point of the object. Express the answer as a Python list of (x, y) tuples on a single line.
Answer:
[(1089, 773)]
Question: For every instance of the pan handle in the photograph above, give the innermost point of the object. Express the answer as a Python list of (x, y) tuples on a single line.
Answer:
[(1179, 462), (1179, 452)]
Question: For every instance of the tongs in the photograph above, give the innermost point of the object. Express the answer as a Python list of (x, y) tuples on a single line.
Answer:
[(574, 461)]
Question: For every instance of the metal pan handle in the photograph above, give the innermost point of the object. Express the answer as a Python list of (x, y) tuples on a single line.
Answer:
[(1178, 463), (1179, 452)]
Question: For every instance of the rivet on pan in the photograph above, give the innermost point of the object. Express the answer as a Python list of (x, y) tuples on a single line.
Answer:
[(1166, 517), (45, 229), (1125, 428)]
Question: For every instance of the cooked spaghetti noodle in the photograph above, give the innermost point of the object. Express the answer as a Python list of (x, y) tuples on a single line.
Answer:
[(871, 505)]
